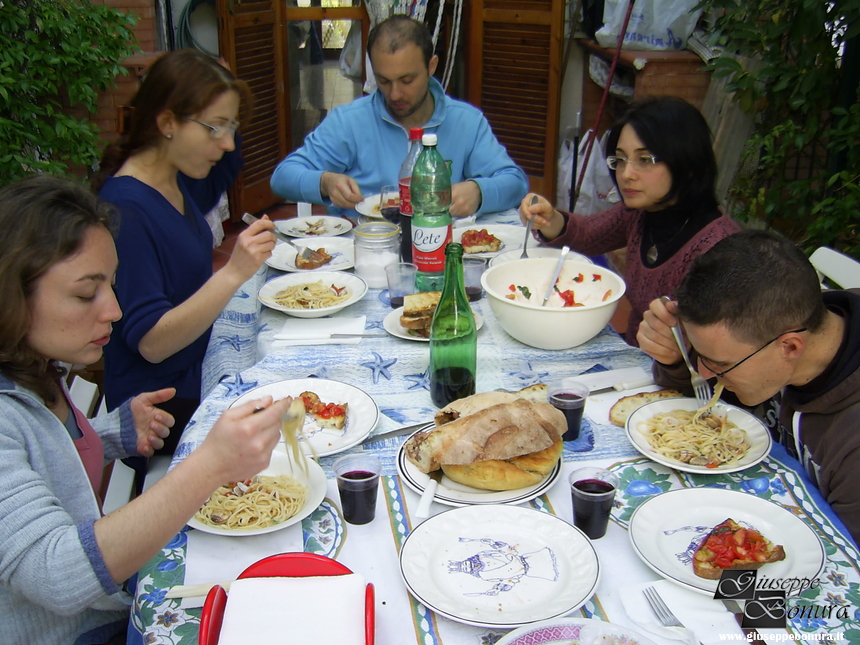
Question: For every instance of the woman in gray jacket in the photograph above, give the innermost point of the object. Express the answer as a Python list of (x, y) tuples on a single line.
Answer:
[(62, 563)]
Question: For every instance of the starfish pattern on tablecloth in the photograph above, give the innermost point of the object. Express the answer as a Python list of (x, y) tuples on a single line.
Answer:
[(419, 380), (526, 375), (234, 341), (379, 366), (237, 387)]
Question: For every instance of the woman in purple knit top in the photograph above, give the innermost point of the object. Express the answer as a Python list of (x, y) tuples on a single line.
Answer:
[(661, 159)]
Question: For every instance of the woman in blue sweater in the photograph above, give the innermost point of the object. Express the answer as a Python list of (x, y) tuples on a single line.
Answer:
[(180, 153), (63, 564)]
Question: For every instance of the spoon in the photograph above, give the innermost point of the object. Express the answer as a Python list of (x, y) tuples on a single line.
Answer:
[(525, 254), (564, 251)]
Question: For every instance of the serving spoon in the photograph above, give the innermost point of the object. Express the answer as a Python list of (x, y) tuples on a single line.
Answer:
[(564, 251)]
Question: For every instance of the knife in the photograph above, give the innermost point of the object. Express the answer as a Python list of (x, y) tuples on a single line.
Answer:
[(429, 494), (734, 608), (325, 336), (396, 433)]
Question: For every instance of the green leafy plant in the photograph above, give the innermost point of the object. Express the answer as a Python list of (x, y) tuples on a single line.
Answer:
[(55, 56), (788, 63)]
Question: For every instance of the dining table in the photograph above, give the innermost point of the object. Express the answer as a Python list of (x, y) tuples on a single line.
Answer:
[(244, 355)]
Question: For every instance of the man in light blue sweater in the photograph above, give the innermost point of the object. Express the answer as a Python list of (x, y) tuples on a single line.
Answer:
[(360, 146)]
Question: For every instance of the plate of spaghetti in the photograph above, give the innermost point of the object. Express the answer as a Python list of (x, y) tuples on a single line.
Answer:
[(678, 434), (274, 499), (312, 295)]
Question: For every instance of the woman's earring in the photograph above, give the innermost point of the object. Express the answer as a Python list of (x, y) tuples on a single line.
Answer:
[(169, 136)]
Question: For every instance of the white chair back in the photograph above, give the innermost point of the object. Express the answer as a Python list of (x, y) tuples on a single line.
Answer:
[(85, 396), (836, 269)]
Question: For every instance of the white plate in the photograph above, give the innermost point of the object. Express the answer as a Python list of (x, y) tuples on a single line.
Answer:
[(369, 206), (298, 226), (666, 530), (280, 465), (341, 249), (536, 252), (451, 493), (511, 236), (573, 631), (499, 566), (392, 325), (361, 415), (357, 288), (757, 435)]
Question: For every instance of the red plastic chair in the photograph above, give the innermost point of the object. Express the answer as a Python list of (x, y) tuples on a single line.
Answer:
[(287, 565)]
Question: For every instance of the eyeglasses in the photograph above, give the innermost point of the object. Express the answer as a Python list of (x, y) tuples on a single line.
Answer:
[(642, 163), (723, 373), (218, 131)]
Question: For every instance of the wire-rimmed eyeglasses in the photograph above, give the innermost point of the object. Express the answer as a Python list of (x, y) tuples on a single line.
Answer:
[(704, 361), (641, 163), (218, 131)]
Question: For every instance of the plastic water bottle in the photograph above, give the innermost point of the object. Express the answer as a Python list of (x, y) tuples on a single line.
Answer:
[(431, 221), (453, 337), (404, 180)]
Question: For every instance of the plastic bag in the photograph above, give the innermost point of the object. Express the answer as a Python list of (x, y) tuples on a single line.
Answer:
[(565, 173), (654, 24), (598, 191), (350, 55)]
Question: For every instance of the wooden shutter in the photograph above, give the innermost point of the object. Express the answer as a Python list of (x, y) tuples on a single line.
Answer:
[(252, 39), (514, 76)]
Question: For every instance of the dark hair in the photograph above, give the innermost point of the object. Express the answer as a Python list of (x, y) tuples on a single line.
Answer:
[(44, 220), (185, 82), (677, 134), (397, 31), (757, 283)]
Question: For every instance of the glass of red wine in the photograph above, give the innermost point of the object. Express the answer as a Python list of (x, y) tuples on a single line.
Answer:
[(358, 486), (593, 492), (389, 203), (473, 269), (568, 396)]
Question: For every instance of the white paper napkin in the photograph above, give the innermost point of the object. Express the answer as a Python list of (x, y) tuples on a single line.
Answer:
[(316, 331), (295, 611), (460, 222), (706, 620)]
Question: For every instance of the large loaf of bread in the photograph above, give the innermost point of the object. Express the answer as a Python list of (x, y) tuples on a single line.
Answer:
[(504, 430)]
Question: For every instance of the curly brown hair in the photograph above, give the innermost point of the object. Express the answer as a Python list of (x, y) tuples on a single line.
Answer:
[(44, 220), (184, 82)]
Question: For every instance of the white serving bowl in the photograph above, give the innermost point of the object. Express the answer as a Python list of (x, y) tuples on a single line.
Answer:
[(357, 288), (536, 252), (552, 327)]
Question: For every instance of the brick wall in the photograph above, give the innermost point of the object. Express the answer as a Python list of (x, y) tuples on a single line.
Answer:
[(655, 73), (108, 117)]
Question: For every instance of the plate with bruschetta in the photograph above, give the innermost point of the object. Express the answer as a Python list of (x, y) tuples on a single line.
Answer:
[(488, 241), (668, 531), (338, 416)]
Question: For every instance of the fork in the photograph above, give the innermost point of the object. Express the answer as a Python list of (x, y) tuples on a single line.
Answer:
[(305, 251), (662, 611), (525, 254), (700, 386)]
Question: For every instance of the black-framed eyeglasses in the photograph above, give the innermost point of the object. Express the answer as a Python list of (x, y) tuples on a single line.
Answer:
[(641, 163), (724, 372), (218, 131)]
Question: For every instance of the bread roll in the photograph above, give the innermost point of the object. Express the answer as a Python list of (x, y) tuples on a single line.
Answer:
[(510, 474), (625, 406)]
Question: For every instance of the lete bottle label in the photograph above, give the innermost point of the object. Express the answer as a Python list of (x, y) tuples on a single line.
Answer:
[(428, 247)]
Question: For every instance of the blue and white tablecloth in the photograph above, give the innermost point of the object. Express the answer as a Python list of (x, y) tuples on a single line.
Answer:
[(393, 372)]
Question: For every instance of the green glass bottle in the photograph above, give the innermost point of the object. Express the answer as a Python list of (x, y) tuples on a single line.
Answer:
[(453, 337)]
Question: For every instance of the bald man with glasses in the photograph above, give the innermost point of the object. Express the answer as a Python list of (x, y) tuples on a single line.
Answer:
[(758, 322)]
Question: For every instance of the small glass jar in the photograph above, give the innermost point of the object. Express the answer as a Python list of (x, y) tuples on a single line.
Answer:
[(377, 244)]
